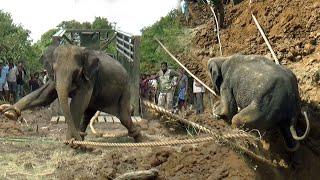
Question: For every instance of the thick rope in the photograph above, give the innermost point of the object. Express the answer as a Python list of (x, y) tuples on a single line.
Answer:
[(147, 144), (215, 137), (223, 138), (195, 125)]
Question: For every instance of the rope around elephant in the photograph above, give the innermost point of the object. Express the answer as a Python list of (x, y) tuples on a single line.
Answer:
[(214, 137)]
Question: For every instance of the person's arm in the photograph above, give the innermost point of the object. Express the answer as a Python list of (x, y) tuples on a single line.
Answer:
[(174, 73), (197, 84)]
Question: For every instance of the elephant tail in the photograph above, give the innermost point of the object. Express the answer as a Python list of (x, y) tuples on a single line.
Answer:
[(294, 132)]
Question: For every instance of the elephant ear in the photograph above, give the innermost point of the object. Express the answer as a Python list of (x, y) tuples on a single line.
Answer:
[(90, 61), (216, 76)]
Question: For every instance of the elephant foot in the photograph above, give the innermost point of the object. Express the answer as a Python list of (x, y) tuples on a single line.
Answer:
[(83, 135), (10, 112), (78, 146), (135, 132), (3, 107), (11, 115), (73, 136), (217, 111)]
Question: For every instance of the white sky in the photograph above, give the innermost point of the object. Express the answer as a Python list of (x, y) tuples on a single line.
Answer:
[(131, 16)]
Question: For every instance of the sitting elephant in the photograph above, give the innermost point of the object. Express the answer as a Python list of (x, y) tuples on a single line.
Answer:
[(257, 93), (93, 80)]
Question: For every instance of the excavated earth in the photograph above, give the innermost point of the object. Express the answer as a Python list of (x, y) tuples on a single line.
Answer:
[(34, 149)]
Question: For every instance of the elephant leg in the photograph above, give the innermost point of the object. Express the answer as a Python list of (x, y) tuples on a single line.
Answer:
[(88, 114), (79, 104), (125, 117), (248, 117), (45, 95), (227, 107)]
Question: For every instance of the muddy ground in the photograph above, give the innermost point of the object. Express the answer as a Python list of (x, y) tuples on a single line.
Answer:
[(35, 150)]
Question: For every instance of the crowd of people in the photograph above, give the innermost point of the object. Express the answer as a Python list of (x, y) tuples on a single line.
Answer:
[(169, 89), (14, 81)]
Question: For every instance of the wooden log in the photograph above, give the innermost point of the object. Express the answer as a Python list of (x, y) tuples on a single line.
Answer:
[(146, 174)]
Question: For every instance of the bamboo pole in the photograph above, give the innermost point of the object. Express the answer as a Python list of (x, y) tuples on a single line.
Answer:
[(190, 73), (217, 26), (264, 36)]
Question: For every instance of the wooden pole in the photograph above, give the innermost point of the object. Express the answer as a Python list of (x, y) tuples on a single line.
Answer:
[(217, 27), (265, 39), (264, 36), (195, 77)]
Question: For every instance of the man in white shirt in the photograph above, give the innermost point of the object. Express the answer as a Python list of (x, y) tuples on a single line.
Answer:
[(185, 9), (198, 91), (12, 80)]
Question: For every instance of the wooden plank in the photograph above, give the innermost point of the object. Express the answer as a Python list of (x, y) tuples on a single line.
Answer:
[(55, 119), (101, 119)]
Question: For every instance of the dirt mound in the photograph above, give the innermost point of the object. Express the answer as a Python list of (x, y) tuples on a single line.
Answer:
[(293, 30)]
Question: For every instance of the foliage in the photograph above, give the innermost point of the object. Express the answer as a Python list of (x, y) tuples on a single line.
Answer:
[(15, 43), (168, 30)]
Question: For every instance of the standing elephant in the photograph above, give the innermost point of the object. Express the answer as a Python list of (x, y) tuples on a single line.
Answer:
[(93, 80), (265, 94)]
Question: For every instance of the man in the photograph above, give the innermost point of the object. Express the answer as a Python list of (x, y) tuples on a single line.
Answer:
[(12, 80), (33, 83), (198, 91), (40, 77), (182, 91), (185, 9), (4, 89), (45, 76), (219, 10), (166, 88), (20, 80), (153, 84)]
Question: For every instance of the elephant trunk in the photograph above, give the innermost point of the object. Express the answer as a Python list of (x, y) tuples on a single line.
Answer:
[(294, 132), (63, 87)]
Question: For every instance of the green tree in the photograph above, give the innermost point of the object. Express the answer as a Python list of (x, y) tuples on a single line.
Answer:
[(168, 29), (15, 42), (73, 24)]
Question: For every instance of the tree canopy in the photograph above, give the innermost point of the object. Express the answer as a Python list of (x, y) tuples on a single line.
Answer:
[(168, 30), (15, 42)]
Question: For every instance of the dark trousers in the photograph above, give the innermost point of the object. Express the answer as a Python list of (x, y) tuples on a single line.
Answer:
[(219, 10), (198, 102)]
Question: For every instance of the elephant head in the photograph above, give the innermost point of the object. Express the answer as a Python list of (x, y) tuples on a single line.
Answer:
[(47, 60), (214, 66), (74, 68)]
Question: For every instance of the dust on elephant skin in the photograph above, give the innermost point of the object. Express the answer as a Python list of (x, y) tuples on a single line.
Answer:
[(266, 94)]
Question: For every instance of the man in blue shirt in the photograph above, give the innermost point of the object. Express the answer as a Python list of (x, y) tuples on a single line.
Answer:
[(4, 90)]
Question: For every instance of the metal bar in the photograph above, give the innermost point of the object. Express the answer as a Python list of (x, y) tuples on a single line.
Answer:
[(89, 30), (67, 39), (123, 41), (129, 52), (125, 34), (60, 33), (108, 42), (124, 54)]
